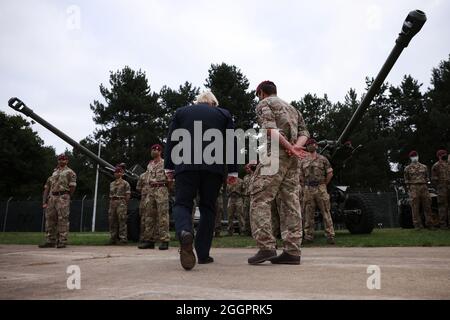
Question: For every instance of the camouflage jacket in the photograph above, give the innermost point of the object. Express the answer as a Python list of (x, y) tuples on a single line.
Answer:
[(246, 186), (440, 173), (119, 188), (236, 189), (61, 180), (416, 173), (143, 185), (274, 113), (314, 171), (155, 172)]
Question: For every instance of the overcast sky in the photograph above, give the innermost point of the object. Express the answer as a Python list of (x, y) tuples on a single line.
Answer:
[(54, 54)]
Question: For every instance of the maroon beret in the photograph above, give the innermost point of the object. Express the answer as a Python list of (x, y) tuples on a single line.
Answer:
[(310, 142), (413, 154), (441, 153), (157, 147)]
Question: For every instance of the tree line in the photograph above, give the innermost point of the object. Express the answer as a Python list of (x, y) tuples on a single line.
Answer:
[(131, 117)]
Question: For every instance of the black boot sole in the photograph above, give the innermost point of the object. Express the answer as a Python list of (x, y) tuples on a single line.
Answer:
[(187, 256)]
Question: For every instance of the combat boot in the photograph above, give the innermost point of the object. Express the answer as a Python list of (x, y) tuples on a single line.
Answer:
[(47, 245), (286, 258), (206, 261), (262, 256), (217, 234), (61, 246), (187, 256), (331, 241), (112, 242), (164, 246), (147, 245)]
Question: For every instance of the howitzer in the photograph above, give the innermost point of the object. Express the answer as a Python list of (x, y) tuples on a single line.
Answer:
[(412, 25), (357, 211), (104, 167)]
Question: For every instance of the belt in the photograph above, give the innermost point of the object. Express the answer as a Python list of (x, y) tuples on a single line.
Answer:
[(58, 194), (158, 185), (117, 198), (313, 184)]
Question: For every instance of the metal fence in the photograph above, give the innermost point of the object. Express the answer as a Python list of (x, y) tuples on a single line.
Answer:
[(28, 216)]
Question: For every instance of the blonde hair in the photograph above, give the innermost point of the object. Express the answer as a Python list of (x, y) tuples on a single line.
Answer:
[(207, 97)]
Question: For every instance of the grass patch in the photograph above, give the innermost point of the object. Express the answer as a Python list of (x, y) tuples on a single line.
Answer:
[(379, 238)]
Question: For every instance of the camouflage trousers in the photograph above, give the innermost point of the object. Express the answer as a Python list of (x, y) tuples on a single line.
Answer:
[(275, 217), (235, 211), (219, 214), (302, 204), (57, 219), (246, 215), (282, 187), (443, 192), (420, 197), (118, 219), (317, 197), (155, 216)]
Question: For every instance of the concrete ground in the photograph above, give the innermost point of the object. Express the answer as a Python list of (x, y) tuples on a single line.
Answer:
[(27, 272)]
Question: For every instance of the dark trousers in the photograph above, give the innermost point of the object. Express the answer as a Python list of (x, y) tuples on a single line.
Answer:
[(207, 185)]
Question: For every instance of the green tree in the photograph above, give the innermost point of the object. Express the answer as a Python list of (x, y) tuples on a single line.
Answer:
[(409, 120), (170, 100), (315, 111), (231, 87), (25, 162), (131, 118), (438, 106)]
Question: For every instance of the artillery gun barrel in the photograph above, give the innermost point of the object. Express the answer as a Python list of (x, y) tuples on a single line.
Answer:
[(412, 25), (19, 106)]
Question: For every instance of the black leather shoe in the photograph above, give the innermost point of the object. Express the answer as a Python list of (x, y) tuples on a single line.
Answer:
[(146, 245), (164, 246), (187, 256), (262, 256), (286, 258), (206, 261), (47, 245)]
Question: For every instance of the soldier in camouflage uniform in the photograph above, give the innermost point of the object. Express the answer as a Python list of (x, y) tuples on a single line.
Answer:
[(246, 200), (235, 206), (302, 193), (440, 176), (416, 179), (119, 196), (56, 201), (219, 214), (157, 204), (143, 187), (284, 123), (316, 173)]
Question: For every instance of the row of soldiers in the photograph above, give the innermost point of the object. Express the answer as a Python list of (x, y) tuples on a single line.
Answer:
[(154, 186), (417, 179)]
